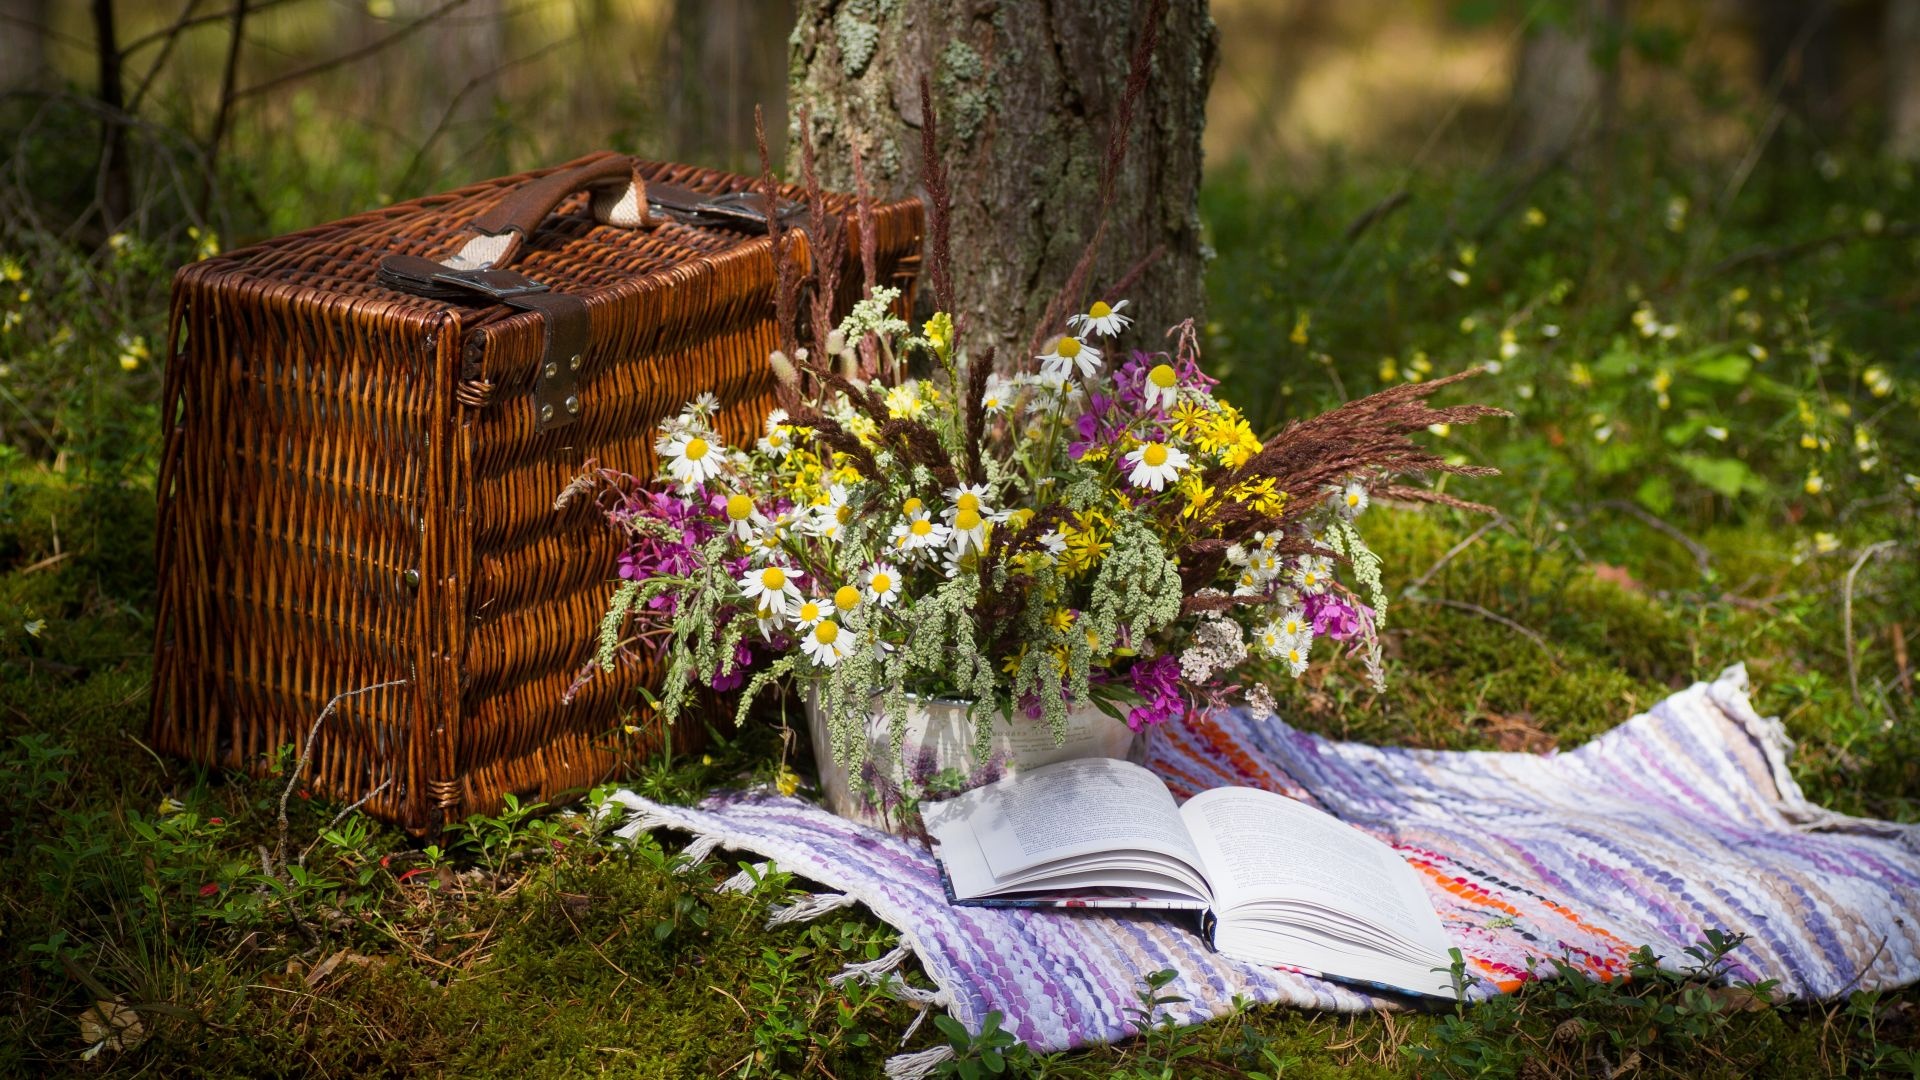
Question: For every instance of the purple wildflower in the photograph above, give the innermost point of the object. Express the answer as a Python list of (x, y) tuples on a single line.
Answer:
[(1334, 616), (723, 680), (1158, 682)]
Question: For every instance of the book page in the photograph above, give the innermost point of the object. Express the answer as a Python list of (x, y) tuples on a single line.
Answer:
[(1258, 846), (1059, 812)]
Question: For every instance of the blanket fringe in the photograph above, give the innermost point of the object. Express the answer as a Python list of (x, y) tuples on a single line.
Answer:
[(873, 971), (742, 882), (810, 909), (917, 1065), (698, 851)]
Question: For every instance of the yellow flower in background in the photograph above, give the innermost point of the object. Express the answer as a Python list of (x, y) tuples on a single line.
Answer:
[(904, 402), (1580, 375), (11, 269), (1300, 327), (133, 351), (1534, 217), (939, 331), (1389, 369), (1187, 417), (1825, 543), (1815, 483), (1196, 492), (786, 781), (1877, 381)]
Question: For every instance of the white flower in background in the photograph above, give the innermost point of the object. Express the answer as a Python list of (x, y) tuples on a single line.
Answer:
[(693, 459), (1102, 318), (920, 533), (997, 398), (1351, 501), (776, 588), (1155, 465), (882, 584), (1067, 354), (1162, 386), (1054, 543), (810, 611), (778, 441), (743, 519), (1312, 574), (770, 536), (824, 644), (1260, 703)]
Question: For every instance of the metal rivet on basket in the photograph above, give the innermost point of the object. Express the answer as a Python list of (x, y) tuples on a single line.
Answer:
[(412, 578), (573, 404), (546, 414), (573, 362), (553, 369)]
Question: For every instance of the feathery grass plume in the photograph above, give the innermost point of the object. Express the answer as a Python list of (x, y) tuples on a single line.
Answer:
[(1139, 72), (869, 350), (786, 288), (933, 176), (919, 444), (826, 238), (974, 415), (837, 439)]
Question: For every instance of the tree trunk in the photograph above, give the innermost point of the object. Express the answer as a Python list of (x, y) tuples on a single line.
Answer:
[(721, 58), (1903, 78), (1798, 53), (23, 45), (1024, 95), (1566, 81)]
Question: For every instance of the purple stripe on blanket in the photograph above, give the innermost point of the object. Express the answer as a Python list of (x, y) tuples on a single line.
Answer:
[(1681, 819)]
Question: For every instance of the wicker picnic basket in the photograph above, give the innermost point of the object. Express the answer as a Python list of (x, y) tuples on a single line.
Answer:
[(369, 422)]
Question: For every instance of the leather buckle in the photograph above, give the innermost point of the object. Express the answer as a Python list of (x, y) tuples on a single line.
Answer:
[(498, 284)]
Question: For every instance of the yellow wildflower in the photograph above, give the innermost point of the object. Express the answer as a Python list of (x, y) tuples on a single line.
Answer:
[(939, 331)]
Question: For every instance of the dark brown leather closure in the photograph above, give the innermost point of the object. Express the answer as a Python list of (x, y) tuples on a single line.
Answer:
[(524, 210)]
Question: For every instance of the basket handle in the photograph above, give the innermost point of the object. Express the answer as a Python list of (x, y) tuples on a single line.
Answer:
[(619, 198)]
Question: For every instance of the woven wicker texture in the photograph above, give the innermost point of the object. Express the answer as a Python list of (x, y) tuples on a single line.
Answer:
[(353, 492)]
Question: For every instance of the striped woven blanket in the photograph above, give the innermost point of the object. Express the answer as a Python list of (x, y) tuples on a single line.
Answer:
[(1679, 820)]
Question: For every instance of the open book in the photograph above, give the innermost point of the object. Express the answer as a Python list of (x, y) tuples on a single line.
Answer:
[(1284, 884)]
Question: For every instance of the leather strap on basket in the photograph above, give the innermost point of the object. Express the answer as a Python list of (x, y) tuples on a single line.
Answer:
[(620, 197)]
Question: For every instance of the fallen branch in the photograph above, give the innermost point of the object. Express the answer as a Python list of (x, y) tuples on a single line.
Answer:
[(1701, 556)]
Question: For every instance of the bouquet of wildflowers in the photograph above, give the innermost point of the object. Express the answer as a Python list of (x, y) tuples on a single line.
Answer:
[(1091, 526)]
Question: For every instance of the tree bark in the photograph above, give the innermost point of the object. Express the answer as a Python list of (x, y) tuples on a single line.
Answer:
[(1566, 81), (1024, 96), (1903, 78), (721, 58), (23, 45)]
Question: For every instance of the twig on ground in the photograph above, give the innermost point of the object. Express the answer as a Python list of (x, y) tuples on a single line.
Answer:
[(1377, 213), (1475, 609), (344, 811), (1701, 556), (1472, 538), (306, 754), (1853, 663)]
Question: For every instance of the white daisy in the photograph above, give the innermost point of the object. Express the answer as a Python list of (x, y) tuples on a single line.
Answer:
[(969, 529), (918, 533), (966, 497), (692, 459), (1102, 318), (778, 441), (832, 517), (846, 598), (704, 407), (882, 584), (1296, 655), (998, 395), (1293, 623), (1312, 573), (743, 519), (1068, 353), (770, 536), (1351, 501), (775, 588), (1162, 386), (769, 621), (1270, 641), (810, 611), (1055, 543), (1155, 465), (824, 644)]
